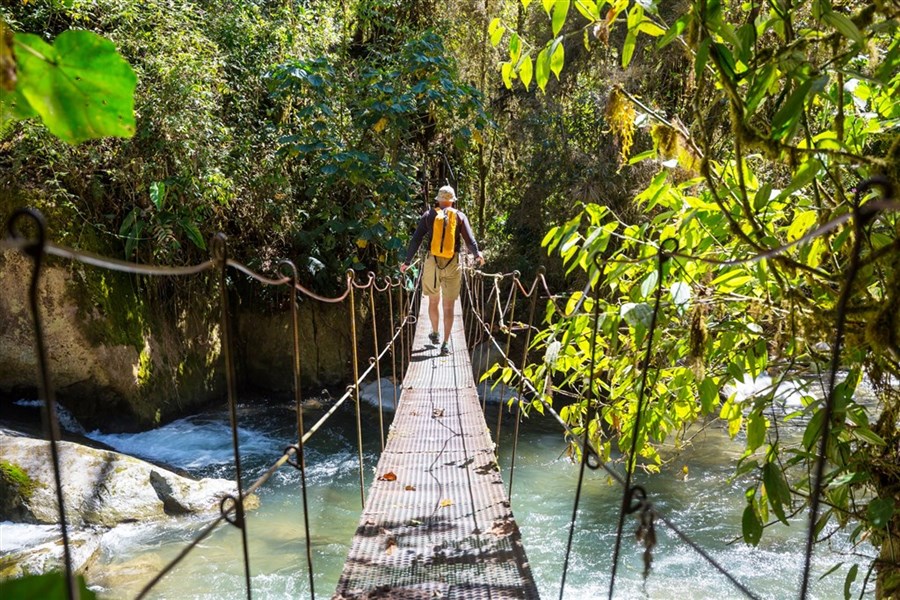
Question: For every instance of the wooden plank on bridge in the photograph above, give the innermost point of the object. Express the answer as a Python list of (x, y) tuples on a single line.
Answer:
[(437, 521)]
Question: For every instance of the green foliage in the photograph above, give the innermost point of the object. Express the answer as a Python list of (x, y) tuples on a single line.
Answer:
[(51, 586), (79, 86), (350, 130), (782, 112)]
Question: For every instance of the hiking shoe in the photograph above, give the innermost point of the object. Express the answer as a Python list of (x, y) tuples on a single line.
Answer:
[(434, 337), (445, 350)]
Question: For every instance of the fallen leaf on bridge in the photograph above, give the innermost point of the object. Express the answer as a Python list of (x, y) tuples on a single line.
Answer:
[(389, 476), (446, 502), (410, 488)]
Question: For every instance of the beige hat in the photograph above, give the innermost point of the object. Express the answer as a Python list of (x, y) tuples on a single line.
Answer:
[(446, 193)]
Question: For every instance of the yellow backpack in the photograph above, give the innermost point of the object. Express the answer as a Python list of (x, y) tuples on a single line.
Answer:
[(443, 235)]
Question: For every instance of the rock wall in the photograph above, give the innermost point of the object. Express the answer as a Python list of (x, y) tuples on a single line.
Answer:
[(125, 355)]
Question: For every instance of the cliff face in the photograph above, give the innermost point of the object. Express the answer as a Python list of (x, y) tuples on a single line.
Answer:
[(124, 356)]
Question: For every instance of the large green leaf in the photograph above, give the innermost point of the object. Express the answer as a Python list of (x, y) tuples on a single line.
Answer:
[(80, 86), (48, 586), (13, 107), (880, 511), (560, 11), (751, 526)]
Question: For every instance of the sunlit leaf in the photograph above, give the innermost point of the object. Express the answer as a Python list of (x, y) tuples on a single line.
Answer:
[(843, 24), (542, 68), (560, 11), (506, 74), (588, 9), (80, 86), (557, 57), (526, 71)]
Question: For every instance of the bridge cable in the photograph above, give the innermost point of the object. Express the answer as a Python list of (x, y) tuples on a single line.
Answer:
[(631, 462), (353, 341), (862, 214), (587, 428), (220, 255), (532, 295), (300, 463), (509, 335), (377, 361)]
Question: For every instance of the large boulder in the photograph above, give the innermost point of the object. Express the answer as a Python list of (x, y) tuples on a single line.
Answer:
[(101, 487)]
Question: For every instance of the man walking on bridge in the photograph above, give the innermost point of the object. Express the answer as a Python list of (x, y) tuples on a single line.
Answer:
[(441, 277)]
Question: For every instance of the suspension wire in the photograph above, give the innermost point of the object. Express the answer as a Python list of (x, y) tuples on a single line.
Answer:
[(359, 441), (861, 216), (377, 361), (298, 402), (486, 354), (390, 295), (533, 297), (35, 249), (587, 424), (220, 254), (509, 335), (631, 462)]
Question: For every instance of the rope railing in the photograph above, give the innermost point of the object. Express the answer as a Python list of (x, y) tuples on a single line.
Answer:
[(231, 508), (634, 497)]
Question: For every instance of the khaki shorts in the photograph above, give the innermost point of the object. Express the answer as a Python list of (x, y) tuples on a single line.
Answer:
[(442, 276)]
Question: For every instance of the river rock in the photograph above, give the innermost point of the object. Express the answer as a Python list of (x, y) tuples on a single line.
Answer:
[(368, 393), (84, 548), (101, 487)]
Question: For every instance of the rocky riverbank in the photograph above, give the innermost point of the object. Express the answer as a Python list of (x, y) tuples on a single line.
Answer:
[(102, 489)]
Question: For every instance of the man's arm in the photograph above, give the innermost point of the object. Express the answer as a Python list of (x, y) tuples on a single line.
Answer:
[(469, 238), (416, 241)]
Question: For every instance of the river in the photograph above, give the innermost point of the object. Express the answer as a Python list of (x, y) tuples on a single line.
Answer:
[(707, 505)]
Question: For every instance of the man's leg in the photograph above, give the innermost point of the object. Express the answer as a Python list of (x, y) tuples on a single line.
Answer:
[(433, 302), (433, 292), (448, 318), (450, 286)]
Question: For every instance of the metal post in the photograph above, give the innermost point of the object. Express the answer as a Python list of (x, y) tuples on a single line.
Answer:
[(490, 336), (298, 401), (534, 295), (512, 314), (220, 254), (377, 359), (362, 484), (390, 295), (48, 412)]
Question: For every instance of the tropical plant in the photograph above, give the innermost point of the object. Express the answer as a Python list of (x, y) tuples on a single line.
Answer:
[(785, 108)]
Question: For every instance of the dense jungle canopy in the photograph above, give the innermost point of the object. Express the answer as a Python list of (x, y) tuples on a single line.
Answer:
[(656, 157)]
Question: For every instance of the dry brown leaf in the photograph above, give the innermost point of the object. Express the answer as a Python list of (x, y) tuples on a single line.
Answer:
[(410, 488), (446, 502), (391, 545), (389, 476), (502, 528)]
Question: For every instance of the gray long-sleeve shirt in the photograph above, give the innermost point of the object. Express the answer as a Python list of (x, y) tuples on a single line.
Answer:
[(426, 226)]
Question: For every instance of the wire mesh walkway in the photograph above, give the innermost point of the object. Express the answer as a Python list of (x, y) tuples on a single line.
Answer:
[(437, 522)]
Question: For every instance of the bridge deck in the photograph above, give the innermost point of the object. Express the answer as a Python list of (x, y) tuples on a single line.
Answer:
[(437, 521)]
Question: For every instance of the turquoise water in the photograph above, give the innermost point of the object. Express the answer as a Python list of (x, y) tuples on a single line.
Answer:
[(706, 506)]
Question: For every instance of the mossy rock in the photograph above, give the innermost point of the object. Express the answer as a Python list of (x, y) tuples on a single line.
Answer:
[(16, 490)]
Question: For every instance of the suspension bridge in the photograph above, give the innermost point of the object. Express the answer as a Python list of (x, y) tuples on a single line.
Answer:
[(437, 521)]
